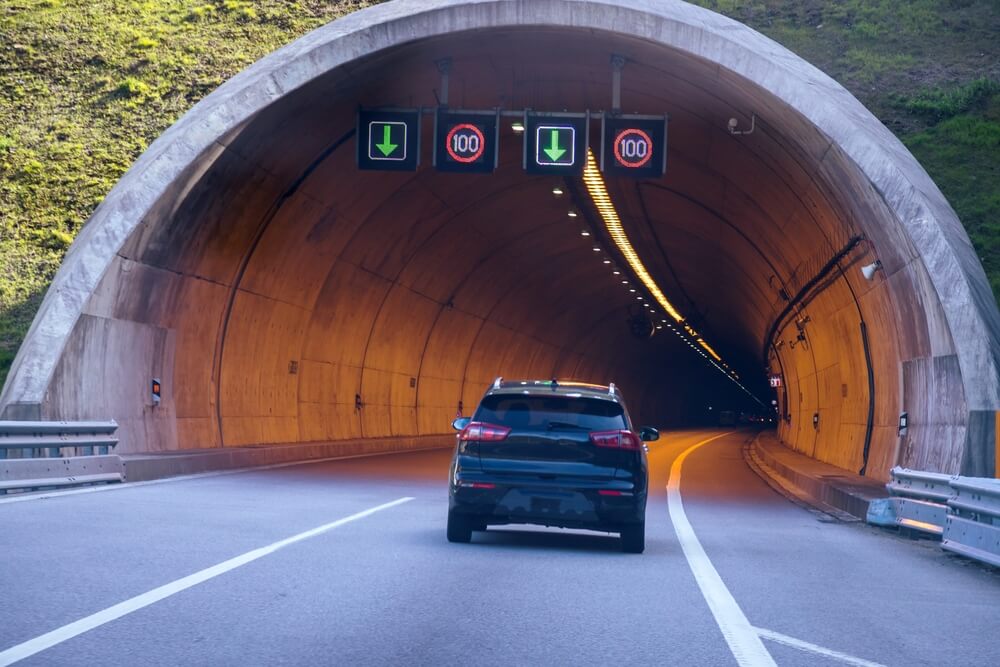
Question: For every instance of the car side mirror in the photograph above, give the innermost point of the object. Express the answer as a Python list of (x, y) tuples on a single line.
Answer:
[(460, 423), (648, 434)]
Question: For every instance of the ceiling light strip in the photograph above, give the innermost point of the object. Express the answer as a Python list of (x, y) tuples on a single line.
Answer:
[(599, 195), (594, 181)]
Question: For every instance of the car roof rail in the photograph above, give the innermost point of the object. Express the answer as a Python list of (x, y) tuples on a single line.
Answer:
[(498, 382), (612, 389)]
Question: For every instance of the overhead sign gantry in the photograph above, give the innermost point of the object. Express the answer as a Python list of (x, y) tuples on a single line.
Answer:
[(467, 141)]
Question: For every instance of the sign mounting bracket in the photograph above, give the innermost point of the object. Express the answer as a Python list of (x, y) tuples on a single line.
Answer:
[(444, 67), (617, 65)]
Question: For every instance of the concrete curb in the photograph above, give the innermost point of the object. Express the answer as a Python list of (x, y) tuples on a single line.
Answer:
[(143, 467), (822, 483)]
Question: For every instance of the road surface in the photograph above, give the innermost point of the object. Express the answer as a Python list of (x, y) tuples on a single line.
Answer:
[(346, 562)]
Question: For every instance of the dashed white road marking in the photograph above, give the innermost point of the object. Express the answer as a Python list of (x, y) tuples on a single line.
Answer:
[(742, 638), (813, 648), (59, 635)]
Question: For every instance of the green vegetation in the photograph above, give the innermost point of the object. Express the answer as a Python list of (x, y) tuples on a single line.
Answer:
[(929, 69), (86, 85)]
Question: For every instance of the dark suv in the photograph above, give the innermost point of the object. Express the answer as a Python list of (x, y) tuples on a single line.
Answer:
[(552, 453)]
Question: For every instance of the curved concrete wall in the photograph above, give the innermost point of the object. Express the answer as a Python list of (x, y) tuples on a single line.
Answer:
[(247, 263)]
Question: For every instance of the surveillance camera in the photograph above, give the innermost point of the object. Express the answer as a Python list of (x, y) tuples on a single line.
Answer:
[(733, 123), (868, 270)]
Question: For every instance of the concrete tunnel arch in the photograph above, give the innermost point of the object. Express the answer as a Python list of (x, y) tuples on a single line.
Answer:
[(246, 262)]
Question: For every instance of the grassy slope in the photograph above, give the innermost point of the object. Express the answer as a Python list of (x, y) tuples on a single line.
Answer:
[(85, 85), (929, 69)]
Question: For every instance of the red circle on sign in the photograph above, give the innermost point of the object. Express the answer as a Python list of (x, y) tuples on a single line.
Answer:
[(474, 155), (638, 160)]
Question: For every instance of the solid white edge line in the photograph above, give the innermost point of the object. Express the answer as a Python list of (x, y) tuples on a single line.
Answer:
[(59, 635), (45, 495), (813, 648), (743, 640)]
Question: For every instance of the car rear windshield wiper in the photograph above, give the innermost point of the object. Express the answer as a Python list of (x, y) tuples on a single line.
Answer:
[(554, 425)]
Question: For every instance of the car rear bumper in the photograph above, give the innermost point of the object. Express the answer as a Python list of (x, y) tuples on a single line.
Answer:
[(549, 503)]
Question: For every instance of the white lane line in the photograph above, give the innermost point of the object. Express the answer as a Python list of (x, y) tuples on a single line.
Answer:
[(25, 497), (813, 648), (742, 638), (50, 639)]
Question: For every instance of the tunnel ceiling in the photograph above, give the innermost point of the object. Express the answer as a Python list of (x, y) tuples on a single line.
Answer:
[(287, 296)]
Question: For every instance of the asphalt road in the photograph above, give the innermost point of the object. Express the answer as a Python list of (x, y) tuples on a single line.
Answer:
[(177, 573)]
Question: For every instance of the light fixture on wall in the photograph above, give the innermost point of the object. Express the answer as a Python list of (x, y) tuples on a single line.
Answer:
[(868, 270), (734, 124)]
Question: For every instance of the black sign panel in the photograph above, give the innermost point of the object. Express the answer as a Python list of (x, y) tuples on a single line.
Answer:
[(389, 140), (634, 146), (466, 141), (555, 143)]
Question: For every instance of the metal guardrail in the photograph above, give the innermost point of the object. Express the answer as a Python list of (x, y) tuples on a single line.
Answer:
[(40, 439), (963, 511), (973, 524), (918, 500), (41, 446), (34, 474), (919, 485)]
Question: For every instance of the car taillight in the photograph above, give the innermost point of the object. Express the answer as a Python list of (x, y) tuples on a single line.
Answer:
[(484, 432), (620, 439), (477, 485)]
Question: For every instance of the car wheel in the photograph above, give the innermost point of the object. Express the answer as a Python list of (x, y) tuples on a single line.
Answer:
[(459, 528), (634, 538)]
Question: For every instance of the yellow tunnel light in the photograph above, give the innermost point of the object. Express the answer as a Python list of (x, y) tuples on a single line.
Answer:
[(599, 194), (594, 181), (708, 348)]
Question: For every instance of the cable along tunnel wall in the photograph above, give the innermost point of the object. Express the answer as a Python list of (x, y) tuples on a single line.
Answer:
[(272, 287)]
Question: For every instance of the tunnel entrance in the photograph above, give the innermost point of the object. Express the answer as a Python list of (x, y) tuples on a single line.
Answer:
[(281, 295)]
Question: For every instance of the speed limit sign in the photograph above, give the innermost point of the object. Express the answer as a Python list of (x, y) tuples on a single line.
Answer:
[(634, 146), (465, 141)]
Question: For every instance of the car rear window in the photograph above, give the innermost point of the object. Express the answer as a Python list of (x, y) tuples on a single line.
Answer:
[(555, 412)]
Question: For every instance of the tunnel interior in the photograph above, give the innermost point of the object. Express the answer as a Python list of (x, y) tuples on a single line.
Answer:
[(284, 296)]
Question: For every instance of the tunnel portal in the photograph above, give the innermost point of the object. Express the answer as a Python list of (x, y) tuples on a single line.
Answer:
[(281, 295)]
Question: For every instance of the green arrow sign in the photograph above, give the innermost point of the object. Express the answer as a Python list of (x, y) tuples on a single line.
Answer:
[(553, 151), (388, 139), (386, 149), (555, 145), (386, 146)]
